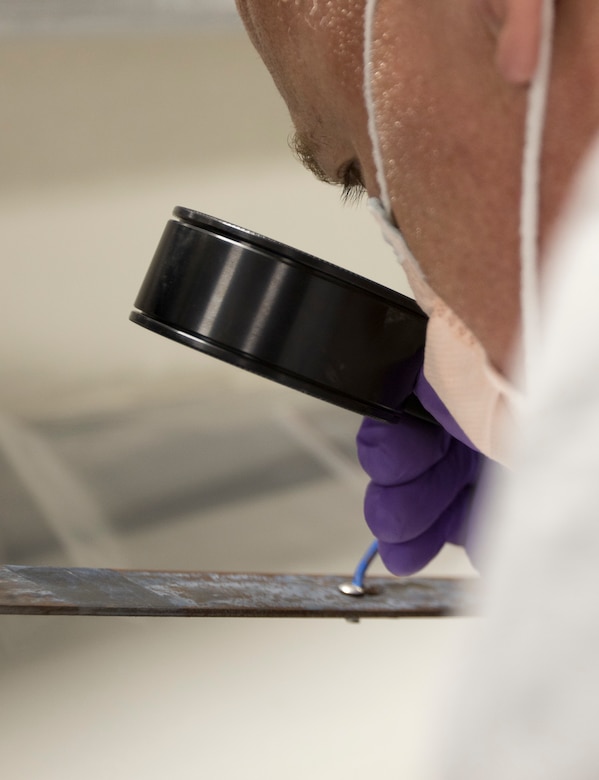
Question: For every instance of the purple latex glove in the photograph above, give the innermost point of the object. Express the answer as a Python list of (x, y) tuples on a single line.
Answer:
[(422, 481)]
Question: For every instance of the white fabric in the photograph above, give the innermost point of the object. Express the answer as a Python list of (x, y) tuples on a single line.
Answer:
[(375, 141), (531, 184), (527, 705)]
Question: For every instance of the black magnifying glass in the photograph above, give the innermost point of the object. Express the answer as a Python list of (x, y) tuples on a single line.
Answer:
[(284, 314)]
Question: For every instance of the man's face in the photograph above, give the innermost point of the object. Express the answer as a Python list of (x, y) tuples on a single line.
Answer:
[(450, 130), (313, 51)]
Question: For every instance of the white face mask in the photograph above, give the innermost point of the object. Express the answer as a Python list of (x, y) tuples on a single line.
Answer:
[(481, 400)]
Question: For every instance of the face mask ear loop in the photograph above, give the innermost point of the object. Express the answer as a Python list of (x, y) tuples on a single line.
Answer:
[(370, 106), (529, 204)]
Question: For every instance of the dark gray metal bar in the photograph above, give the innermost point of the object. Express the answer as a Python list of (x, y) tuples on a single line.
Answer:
[(46, 590)]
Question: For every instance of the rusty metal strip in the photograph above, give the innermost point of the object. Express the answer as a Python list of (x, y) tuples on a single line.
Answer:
[(45, 590)]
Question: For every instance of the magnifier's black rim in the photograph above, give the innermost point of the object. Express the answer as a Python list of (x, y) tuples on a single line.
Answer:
[(271, 371), (321, 330), (336, 274)]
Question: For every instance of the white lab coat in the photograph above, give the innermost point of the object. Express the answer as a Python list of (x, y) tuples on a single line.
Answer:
[(526, 702)]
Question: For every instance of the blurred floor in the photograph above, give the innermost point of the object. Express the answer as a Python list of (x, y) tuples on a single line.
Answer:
[(217, 481)]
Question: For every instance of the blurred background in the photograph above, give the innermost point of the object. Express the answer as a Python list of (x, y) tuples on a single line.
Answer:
[(119, 448)]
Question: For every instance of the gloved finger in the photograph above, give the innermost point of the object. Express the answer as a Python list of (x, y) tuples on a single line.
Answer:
[(410, 557), (460, 530), (394, 453), (433, 404), (398, 513), (457, 518)]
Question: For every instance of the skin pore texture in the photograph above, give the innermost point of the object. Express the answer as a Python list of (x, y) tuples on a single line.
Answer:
[(450, 98)]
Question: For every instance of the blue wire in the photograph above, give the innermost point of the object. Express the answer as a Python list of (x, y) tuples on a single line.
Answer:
[(364, 563)]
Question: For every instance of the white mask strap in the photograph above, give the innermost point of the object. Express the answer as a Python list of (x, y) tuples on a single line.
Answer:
[(370, 107), (530, 197)]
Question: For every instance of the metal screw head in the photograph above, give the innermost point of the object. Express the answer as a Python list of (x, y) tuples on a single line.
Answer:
[(351, 589)]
